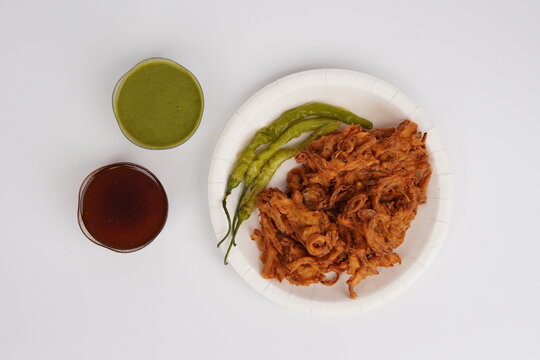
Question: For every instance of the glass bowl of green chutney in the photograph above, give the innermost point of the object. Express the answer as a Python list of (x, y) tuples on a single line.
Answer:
[(158, 104)]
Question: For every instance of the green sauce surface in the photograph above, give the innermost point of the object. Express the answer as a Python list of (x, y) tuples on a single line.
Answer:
[(158, 104)]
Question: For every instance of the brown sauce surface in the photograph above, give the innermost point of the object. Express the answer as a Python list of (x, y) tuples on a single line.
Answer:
[(122, 206)]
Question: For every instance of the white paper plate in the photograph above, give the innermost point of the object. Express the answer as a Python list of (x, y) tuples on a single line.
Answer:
[(366, 96)]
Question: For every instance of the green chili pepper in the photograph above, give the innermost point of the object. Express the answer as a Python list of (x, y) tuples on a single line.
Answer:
[(269, 133), (248, 202), (295, 130), (272, 131)]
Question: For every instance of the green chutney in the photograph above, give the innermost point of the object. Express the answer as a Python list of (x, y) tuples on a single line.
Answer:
[(158, 104)]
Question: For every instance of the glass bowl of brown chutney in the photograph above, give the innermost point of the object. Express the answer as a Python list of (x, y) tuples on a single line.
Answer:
[(122, 207)]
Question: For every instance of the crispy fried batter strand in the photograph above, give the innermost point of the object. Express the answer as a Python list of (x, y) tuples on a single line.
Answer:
[(346, 208)]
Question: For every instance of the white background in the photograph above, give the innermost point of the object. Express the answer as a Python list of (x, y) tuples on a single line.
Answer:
[(472, 65)]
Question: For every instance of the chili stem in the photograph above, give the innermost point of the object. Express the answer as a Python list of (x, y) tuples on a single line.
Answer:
[(224, 203)]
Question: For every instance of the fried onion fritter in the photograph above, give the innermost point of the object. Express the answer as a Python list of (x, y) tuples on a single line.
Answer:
[(346, 208)]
